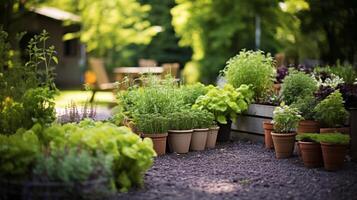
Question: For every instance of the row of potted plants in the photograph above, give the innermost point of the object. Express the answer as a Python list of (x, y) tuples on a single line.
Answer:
[(323, 149)]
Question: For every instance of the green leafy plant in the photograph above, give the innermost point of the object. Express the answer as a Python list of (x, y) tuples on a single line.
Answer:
[(27, 91), (132, 155), (308, 137), (72, 166), (225, 103), (306, 106), (334, 138), (331, 112), (251, 68), (151, 123), (181, 120), (347, 72), (190, 93), (297, 85), (18, 153), (286, 119), (202, 118)]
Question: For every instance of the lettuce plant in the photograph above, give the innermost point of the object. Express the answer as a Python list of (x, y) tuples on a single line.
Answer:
[(225, 103)]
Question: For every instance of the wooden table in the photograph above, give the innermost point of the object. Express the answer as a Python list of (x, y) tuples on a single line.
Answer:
[(133, 73)]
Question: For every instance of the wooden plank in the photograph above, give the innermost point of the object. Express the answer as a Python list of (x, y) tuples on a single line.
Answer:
[(249, 124), (260, 110)]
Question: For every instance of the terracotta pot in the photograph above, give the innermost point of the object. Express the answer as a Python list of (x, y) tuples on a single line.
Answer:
[(277, 87), (199, 138), (308, 126), (268, 140), (311, 154), (159, 141), (343, 130), (212, 137), (333, 155), (224, 132), (179, 140), (283, 144)]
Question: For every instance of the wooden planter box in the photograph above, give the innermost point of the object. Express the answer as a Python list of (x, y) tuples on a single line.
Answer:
[(353, 133), (251, 122)]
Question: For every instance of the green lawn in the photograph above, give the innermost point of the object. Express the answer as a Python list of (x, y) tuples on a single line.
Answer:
[(80, 97)]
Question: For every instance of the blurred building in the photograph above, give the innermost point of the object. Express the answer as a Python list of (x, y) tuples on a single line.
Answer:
[(63, 28)]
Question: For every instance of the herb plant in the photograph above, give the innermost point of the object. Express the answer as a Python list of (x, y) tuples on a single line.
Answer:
[(286, 119), (334, 138), (190, 93), (151, 123), (297, 85), (308, 137), (181, 120), (202, 118), (306, 106), (251, 68), (330, 112), (225, 103)]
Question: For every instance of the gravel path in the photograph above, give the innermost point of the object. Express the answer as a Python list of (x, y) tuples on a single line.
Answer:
[(242, 170)]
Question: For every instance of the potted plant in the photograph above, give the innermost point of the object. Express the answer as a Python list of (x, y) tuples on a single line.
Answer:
[(180, 131), (306, 106), (285, 120), (332, 114), (297, 85), (334, 149), (225, 103), (212, 135), (202, 121), (153, 126), (310, 149), (268, 128)]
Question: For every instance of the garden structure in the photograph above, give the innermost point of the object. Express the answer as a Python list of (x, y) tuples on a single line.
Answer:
[(169, 140)]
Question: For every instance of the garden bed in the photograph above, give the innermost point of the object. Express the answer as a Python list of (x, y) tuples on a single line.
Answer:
[(242, 170)]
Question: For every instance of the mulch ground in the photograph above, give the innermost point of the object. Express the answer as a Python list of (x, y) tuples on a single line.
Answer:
[(242, 170)]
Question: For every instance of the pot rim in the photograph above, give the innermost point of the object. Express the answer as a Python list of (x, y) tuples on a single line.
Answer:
[(200, 129), (308, 143), (214, 128), (283, 134), (180, 131), (154, 135), (333, 144)]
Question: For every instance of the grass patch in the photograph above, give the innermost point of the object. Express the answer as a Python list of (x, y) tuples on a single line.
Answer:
[(80, 97)]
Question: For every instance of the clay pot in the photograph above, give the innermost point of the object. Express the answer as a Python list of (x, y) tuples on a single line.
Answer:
[(159, 141), (179, 140), (199, 139), (333, 155), (224, 132), (308, 126), (343, 130), (283, 144), (311, 154), (268, 140), (212, 137)]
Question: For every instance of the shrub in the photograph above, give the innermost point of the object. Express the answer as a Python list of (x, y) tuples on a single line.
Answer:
[(330, 112), (151, 123), (225, 103), (181, 120), (18, 153), (297, 85), (285, 119), (306, 106), (334, 138), (308, 137), (251, 68)]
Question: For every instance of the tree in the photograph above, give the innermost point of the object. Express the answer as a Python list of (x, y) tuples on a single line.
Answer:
[(217, 30)]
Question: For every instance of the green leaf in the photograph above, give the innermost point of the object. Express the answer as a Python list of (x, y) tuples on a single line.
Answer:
[(222, 119)]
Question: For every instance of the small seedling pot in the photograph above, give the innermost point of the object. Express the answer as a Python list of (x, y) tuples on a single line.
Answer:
[(333, 155), (159, 141), (212, 137), (199, 138), (268, 140), (311, 154)]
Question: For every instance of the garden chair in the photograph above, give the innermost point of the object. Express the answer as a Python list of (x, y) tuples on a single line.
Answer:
[(102, 83)]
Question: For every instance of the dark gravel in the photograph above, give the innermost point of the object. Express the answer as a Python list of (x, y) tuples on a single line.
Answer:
[(242, 170)]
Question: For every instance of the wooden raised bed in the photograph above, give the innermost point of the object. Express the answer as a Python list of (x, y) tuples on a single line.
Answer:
[(251, 122)]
